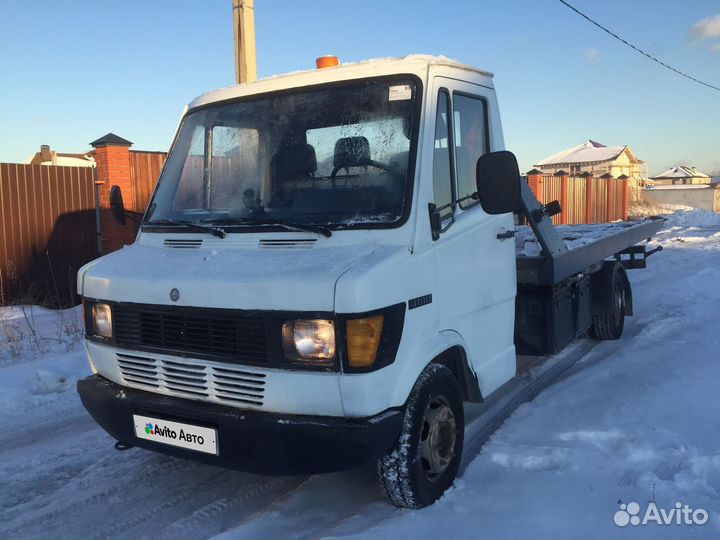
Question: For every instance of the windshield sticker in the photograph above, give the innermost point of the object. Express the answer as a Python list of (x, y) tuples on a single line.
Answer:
[(400, 92)]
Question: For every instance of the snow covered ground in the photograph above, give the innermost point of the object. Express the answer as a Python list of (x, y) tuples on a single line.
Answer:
[(631, 421)]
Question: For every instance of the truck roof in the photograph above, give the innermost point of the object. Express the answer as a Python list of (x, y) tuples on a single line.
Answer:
[(416, 64)]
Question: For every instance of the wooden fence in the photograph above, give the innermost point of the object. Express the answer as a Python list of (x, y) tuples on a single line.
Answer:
[(583, 199), (47, 230)]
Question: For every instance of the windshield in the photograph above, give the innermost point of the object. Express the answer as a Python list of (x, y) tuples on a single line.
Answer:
[(334, 156)]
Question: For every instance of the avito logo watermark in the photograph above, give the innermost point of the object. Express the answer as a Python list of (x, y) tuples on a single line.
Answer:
[(680, 514), (172, 434)]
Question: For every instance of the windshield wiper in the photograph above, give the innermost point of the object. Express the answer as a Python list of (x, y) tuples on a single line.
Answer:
[(215, 231), (319, 229)]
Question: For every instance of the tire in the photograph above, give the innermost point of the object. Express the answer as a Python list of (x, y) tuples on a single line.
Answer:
[(426, 458), (609, 325)]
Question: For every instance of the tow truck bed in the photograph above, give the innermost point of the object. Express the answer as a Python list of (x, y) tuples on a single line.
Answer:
[(564, 273), (586, 245)]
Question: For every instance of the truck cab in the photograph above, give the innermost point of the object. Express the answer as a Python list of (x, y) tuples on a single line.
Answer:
[(318, 282)]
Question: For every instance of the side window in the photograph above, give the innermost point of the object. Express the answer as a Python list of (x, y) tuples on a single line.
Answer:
[(471, 141), (442, 177)]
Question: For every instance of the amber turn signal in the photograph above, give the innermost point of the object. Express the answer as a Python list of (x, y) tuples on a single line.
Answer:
[(363, 340)]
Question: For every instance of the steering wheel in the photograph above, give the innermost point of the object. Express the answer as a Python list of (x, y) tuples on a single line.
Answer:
[(370, 163)]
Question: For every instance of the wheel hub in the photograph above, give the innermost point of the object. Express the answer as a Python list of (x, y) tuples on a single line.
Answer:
[(619, 304), (437, 440)]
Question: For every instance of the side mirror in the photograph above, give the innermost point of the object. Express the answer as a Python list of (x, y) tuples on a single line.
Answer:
[(116, 205), (498, 182)]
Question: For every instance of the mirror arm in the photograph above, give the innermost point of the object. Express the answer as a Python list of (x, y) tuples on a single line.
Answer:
[(474, 196), (132, 218), (435, 222)]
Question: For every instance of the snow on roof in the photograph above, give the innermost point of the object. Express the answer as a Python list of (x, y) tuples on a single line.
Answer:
[(66, 161), (589, 151), (679, 186), (681, 171), (413, 63)]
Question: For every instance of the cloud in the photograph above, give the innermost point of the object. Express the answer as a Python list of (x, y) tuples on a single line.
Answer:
[(714, 48), (709, 27), (592, 55)]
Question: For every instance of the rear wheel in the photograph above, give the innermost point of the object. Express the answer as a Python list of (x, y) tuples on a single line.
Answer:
[(609, 321), (426, 458)]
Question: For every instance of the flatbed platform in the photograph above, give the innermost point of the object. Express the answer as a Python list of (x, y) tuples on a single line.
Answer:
[(548, 255), (586, 245)]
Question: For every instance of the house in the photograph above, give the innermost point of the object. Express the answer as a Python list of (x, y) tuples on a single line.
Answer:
[(682, 174), (50, 157), (597, 159)]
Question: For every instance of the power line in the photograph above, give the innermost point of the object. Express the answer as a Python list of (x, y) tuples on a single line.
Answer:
[(651, 57)]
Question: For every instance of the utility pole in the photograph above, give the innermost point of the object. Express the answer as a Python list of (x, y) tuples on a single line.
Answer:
[(244, 29)]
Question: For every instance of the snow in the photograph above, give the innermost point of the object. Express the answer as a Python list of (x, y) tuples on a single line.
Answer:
[(681, 171), (413, 63), (632, 420), (575, 236), (66, 161), (587, 152), (39, 357), (661, 187)]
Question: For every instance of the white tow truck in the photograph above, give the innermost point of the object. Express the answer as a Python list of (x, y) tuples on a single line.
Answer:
[(329, 268)]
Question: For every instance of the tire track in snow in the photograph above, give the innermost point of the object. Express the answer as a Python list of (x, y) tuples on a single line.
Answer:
[(148, 488), (238, 507), (52, 522)]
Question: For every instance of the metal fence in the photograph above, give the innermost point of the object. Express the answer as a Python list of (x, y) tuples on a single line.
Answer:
[(145, 169), (583, 199), (47, 230)]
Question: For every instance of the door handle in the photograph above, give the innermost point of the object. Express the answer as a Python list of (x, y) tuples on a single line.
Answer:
[(506, 235)]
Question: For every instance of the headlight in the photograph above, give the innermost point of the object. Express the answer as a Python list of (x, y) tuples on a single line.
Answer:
[(312, 339), (102, 320)]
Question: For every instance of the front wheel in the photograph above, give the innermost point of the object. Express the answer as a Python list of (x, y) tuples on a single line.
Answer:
[(426, 458)]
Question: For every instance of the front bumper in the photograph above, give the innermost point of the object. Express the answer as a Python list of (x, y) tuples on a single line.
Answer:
[(247, 440)]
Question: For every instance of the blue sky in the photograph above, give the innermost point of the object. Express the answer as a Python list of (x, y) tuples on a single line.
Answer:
[(73, 71)]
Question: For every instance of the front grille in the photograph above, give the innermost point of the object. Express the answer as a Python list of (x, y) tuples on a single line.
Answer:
[(193, 379), (212, 333), (181, 243)]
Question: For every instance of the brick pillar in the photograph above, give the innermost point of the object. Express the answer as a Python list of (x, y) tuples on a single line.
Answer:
[(112, 160), (623, 182), (564, 196), (535, 181), (589, 196)]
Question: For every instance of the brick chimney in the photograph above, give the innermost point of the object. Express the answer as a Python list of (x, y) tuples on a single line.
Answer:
[(45, 153)]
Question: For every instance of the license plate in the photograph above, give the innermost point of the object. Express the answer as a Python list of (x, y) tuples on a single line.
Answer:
[(200, 439)]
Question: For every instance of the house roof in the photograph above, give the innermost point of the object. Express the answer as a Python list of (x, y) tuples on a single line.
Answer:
[(63, 160), (681, 171), (587, 152)]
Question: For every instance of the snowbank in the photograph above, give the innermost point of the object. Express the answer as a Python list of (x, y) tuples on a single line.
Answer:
[(40, 357)]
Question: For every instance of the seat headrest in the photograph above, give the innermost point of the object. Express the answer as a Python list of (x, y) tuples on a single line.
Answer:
[(299, 158), (352, 152)]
